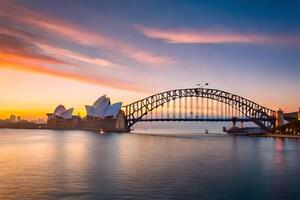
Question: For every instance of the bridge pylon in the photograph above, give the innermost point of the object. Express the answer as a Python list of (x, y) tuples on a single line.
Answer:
[(279, 118)]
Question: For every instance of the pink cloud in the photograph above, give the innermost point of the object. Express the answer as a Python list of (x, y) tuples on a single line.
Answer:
[(77, 34), (145, 57), (77, 56), (210, 37), (57, 51), (23, 53), (27, 64)]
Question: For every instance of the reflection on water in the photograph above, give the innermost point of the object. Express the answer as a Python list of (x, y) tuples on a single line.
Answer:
[(151, 164)]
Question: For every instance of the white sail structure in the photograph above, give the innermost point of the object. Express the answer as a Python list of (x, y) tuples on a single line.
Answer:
[(113, 110), (67, 114), (90, 110), (99, 101), (102, 108), (61, 112)]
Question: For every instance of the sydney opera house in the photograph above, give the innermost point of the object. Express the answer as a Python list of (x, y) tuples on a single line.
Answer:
[(61, 112), (103, 109), (101, 115)]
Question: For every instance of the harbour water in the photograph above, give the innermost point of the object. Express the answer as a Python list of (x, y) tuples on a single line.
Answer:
[(146, 164)]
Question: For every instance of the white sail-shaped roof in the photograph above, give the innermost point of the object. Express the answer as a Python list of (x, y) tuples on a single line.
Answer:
[(96, 109), (67, 114), (59, 110), (113, 110), (103, 109), (98, 101), (90, 110), (100, 110)]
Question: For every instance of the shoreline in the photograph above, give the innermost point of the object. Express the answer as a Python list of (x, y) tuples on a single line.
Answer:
[(278, 136)]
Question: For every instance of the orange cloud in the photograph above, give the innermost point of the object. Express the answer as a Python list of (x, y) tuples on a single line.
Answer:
[(18, 54), (74, 33), (26, 59), (203, 37), (54, 51), (21, 51), (10, 47), (17, 63), (145, 57)]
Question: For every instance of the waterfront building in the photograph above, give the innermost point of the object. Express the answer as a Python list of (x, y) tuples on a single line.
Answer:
[(19, 119), (62, 118), (12, 118), (101, 116)]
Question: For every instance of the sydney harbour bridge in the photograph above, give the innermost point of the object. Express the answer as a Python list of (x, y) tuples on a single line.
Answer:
[(200, 104)]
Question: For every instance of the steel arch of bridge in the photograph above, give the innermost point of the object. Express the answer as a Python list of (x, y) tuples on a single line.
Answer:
[(260, 115)]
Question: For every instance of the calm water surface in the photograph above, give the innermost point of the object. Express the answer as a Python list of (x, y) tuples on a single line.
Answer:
[(45, 164)]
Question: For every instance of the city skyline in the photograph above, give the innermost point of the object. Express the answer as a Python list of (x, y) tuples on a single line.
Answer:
[(73, 52)]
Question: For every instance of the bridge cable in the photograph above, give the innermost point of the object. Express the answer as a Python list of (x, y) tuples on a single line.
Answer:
[(217, 110), (207, 108), (174, 112), (180, 107), (151, 112), (229, 110), (191, 107), (185, 107), (222, 110), (156, 108), (197, 106), (162, 111), (225, 107), (202, 107), (232, 109), (212, 108), (168, 106)]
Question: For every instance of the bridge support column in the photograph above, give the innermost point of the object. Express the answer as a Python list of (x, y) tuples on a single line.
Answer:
[(234, 119), (242, 124), (279, 118), (234, 124)]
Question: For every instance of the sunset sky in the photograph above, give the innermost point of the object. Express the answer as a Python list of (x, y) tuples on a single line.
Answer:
[(71, 52)]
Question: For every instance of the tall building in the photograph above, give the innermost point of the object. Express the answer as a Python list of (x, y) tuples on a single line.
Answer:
[(19, 118), (12, 118)]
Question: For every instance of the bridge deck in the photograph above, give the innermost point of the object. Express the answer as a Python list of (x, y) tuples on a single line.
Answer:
[(205, 119)]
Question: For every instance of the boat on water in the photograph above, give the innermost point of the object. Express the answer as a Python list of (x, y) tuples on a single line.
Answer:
[(102, 132), (244, 131)]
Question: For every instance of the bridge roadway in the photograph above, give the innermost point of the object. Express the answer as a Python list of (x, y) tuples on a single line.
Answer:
[(206, 119), (291, 116)]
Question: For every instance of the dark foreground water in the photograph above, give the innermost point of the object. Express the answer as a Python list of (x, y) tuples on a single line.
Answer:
[(43, 164)]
